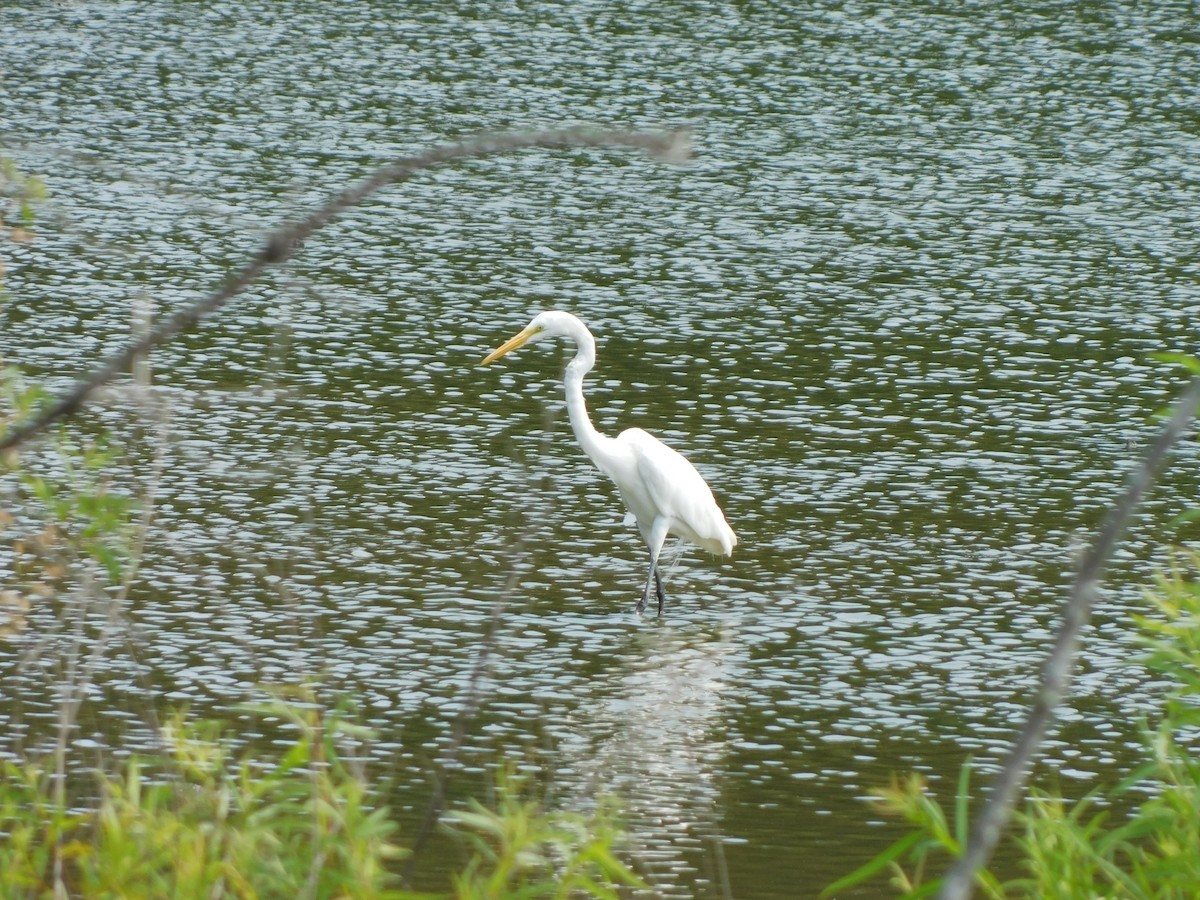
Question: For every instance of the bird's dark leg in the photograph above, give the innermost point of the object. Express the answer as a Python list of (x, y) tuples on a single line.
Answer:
[(654, 579), (650, 581), (655, 535)]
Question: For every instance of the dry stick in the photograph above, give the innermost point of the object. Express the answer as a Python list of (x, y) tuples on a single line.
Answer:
[(1056, 673), (473, 700), (672, 146), (473, 695)]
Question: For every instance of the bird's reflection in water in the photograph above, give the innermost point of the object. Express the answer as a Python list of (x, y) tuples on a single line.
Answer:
[(657, 743)]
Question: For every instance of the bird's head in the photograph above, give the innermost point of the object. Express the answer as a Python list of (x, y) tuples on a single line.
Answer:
[(544, 325)]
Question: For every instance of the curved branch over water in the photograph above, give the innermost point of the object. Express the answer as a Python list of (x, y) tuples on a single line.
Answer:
[(1056, 674), (671, 146)]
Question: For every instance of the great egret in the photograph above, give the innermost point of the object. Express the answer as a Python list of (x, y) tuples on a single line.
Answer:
[(663, 491)]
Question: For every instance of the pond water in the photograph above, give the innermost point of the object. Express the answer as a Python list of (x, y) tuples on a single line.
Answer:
[(899, 311)]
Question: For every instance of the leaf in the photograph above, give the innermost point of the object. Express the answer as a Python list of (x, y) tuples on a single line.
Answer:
[(1187, 360), (1190, 515), (480, 821), (925, 890), (962, 801), (874, 866)]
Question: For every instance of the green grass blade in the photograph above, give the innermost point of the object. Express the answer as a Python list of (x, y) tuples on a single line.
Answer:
[(874, 866)]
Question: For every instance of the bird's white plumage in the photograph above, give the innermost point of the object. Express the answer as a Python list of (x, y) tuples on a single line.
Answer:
[(673, 488), (662, 490)]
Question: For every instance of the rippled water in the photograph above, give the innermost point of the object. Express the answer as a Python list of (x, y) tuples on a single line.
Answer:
[(898, 312)]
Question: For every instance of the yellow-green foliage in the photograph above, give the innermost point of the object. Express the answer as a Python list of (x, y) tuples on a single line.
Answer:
[(18, 195), (35, 831), (522, 850), (932, 842), (1082, 850), (195, 823), (299, 827)]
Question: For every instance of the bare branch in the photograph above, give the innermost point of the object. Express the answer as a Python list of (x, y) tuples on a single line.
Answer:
[(673, 146), (1056, 673)]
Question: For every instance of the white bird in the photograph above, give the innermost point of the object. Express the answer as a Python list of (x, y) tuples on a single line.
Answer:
[(661, 489)]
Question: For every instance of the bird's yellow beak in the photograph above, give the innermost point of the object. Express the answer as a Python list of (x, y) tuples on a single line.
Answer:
[(513, 343)]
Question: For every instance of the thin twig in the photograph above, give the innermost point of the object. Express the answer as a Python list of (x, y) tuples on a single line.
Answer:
[(673, 146), (1056, 673), (473, 697)]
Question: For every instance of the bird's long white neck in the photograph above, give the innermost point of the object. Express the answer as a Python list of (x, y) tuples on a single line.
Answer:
[(593, 442)]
